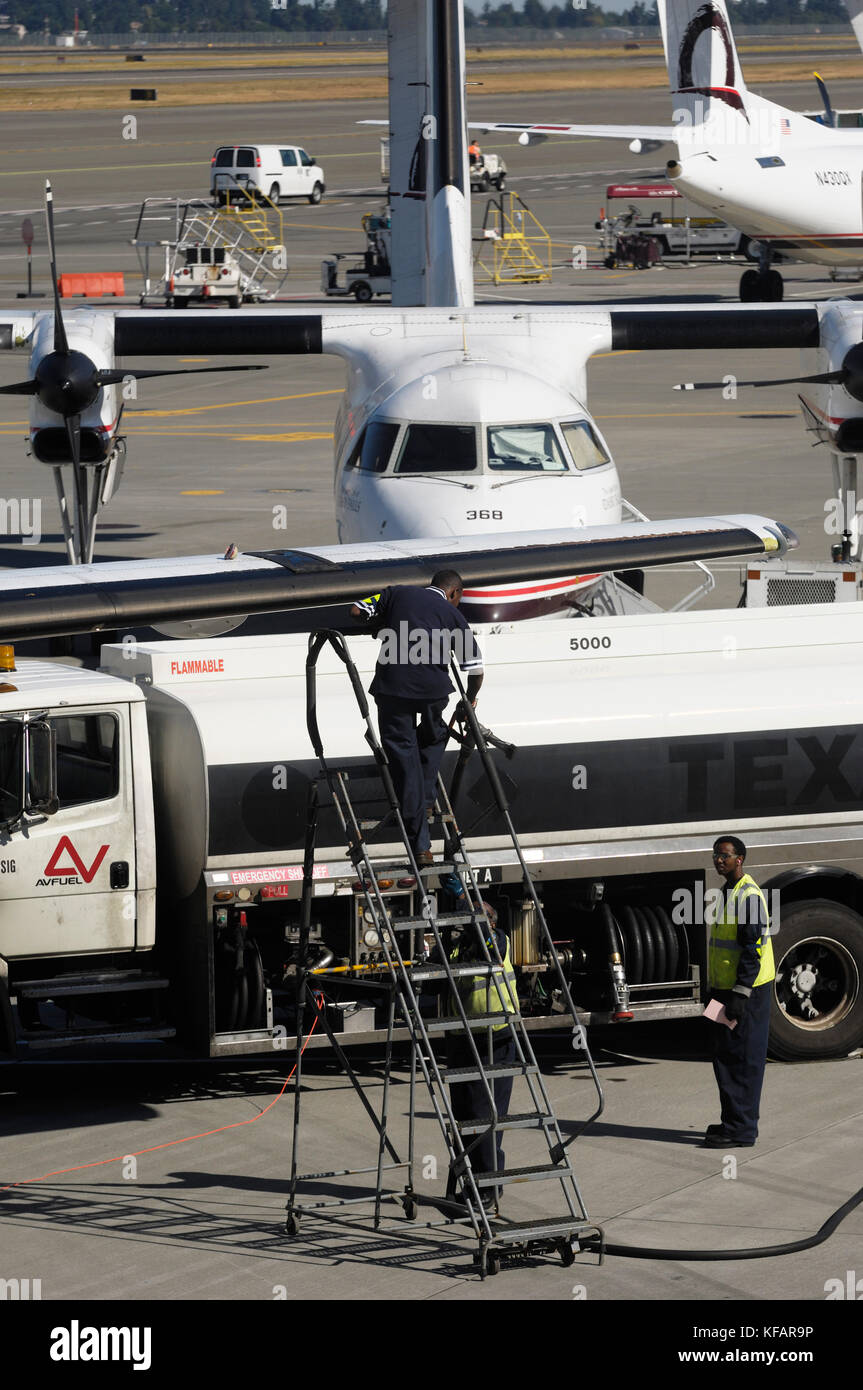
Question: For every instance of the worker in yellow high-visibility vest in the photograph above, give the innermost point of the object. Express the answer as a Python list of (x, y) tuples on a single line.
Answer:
[(739, 972), (480, 997)]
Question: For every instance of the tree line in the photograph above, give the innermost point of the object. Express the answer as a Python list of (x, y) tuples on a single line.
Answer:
[(242, 16)]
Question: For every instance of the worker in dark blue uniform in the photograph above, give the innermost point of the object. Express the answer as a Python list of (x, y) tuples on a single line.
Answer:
[(419, 629), (740, 972)]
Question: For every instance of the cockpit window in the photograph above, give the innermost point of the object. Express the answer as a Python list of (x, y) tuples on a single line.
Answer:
[(374, 447), (586, 450), (525, 448), (438, 449)]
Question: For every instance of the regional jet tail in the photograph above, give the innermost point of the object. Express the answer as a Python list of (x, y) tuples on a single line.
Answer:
[(787, 182), (429, 192)]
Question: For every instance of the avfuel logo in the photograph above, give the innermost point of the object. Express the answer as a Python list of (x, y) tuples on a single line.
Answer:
[(74, 872)]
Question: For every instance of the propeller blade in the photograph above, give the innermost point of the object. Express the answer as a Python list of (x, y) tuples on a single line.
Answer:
[(61, 343), (20, 388), (825, 97), (825, 378), (114, 376), (73, 434)]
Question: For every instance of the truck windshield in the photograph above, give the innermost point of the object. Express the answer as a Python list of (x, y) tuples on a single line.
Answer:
[(438, 449), (525, 448), (11, 747)]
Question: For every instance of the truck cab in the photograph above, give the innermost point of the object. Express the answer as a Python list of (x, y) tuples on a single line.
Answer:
[(77, 859)]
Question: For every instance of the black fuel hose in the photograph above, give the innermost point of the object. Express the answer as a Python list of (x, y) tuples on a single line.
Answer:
[(763, 1252)]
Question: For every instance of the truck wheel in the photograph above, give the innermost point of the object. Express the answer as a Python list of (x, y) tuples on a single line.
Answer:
[(500, 182), (361, 292), (234, 301), (817, 1006), (317, 193), (274, 194)]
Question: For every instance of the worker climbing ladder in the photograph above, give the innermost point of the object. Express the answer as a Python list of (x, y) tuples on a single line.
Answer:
[(404, 971)]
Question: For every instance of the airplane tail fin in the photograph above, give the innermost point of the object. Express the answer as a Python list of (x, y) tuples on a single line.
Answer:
[(429, 185), (855, 14), (707, 84)]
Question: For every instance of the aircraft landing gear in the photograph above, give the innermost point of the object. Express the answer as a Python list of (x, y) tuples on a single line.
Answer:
[(761, 285)]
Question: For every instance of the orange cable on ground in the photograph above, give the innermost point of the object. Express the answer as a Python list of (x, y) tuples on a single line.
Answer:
[(237, 1124)]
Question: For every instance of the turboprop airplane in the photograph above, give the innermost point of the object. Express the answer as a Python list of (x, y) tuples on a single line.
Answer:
[(789, 183), (77, 397), (457, 419)]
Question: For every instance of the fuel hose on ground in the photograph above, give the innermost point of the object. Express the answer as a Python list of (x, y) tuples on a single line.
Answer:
[(763, 1252)]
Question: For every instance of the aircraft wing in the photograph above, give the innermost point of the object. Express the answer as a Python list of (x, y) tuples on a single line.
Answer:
[(531, 134), (59, 600), (363, 335)]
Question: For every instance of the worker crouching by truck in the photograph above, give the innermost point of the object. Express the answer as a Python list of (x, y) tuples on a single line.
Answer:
[(482, 995)]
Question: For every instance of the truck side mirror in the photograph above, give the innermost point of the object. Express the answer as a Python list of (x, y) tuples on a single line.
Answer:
[(11, 772), (42, 770)]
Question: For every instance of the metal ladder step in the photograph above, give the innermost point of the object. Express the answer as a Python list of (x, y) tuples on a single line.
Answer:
[(443, 919), (452, 1023), (539, 1172), (547, 1226), (439, 972), (454, 1075), (533, 1119)]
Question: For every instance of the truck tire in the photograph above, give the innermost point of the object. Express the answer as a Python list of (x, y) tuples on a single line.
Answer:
[(500, 182), (317, 193), (361, 292), (817, 1006), (274, 194)]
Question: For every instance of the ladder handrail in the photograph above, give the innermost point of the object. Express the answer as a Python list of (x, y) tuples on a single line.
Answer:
[(468, 713)]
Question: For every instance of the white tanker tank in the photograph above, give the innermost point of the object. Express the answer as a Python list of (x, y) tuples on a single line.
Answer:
[(636, 741)]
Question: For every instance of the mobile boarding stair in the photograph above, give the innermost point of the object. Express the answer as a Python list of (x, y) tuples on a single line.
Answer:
[(251, 232), (404, 971)]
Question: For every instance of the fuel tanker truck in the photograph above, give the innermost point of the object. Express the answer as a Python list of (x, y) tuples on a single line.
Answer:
[(153, 813)]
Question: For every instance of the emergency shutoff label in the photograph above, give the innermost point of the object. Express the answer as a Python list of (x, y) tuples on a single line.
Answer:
[(74, 870)]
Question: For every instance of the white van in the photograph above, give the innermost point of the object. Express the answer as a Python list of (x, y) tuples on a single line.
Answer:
[(277, 171)]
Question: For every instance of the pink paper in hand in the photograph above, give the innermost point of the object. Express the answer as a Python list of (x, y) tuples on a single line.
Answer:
[(716, 1013)]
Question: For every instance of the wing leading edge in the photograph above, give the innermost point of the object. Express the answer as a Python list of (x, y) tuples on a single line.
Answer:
[(61, 600)]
